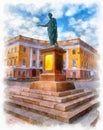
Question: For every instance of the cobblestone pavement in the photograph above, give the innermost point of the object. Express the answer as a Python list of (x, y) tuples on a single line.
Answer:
[(88, 85), (11, 119), (94, 84)]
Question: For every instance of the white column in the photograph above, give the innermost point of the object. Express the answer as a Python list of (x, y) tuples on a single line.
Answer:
[(31, 52), (38, 58), (67, 59)]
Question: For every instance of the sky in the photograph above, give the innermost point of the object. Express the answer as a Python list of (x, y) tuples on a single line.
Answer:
[(74, 20)]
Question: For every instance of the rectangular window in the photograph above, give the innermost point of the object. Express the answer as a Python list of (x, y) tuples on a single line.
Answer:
[(23, 74), (23, 61), (74, 74), (74, 62), (14, 61), (73, 51), (15, 49), (10, 73), (34, 63), (7, 62), (14, 73), (11, 50), (24, 49), (19, 73), (34, 51), (41, 63), (11, 62)]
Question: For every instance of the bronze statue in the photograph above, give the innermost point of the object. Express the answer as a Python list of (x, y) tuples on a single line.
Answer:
[(52, 29)]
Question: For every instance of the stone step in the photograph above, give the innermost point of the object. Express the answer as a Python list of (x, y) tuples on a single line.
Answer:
[(83, 109), (50, 104), (60, 94), (74, 103), (56, 99), (33, 101), (74, 96), (31, 117), (49, 93), (68, 116)]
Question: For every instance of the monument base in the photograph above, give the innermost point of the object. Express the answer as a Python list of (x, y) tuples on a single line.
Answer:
[(55, 86), (52, 77)]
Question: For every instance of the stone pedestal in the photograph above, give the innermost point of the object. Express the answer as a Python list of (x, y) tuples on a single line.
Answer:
[(52, 78), (55, 86)]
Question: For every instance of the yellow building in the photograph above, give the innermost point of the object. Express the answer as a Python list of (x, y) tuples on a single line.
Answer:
[(80, 60), (23, 58)]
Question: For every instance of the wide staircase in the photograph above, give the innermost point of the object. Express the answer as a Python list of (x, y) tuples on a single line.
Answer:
[(47, 107)]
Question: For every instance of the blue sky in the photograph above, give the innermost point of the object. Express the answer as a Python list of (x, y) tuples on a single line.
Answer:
[(73, 20)]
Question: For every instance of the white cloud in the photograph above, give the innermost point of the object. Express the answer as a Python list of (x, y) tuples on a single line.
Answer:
[(65, 35), (27, 26), (69, 35), (72, 10), (88, 30)]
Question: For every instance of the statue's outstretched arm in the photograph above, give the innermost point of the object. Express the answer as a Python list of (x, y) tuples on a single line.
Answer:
[(45, 25)]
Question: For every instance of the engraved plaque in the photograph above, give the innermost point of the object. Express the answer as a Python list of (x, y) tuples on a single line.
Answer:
[(49, 62)]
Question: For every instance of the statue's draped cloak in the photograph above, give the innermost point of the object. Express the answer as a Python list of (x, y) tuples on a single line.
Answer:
[(52, 31)]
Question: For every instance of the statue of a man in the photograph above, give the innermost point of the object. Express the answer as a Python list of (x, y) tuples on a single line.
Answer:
[(52, 29)]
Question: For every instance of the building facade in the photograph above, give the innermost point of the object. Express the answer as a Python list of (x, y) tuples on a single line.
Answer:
[(81, 60), (23, 58)]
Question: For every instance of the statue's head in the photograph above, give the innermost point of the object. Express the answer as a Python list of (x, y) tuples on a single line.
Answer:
[(50, 15)]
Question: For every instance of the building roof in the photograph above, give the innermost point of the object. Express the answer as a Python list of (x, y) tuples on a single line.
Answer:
[(27, 39), (46, 43), (75, 42)]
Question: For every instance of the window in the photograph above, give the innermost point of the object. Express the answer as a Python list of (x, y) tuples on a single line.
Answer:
[(10, 73), (14, 61), (74, 74), (15, 49), (34, 51), (34, 63), (23, 74), (74, 51), (10, 62), (64, 64), (24, 49), (14, 73), (7, 62), (74, 62), (11, 50), (41, 63), (23, 61), (19, 73)]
